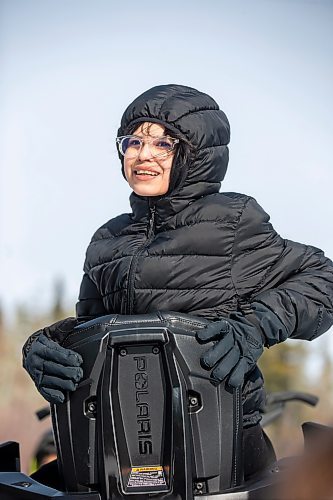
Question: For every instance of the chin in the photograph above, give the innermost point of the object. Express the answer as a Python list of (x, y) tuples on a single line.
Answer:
[(146, 191)]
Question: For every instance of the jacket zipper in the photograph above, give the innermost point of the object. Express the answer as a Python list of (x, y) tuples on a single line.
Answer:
[(135, 258), (151, 223)]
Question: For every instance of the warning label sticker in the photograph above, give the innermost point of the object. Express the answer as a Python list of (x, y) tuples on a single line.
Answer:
[(146, 476)]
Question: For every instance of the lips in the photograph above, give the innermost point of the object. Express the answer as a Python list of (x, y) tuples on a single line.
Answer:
[(144, 171)]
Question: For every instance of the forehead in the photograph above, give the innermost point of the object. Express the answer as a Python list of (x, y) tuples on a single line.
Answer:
[(150, 129)]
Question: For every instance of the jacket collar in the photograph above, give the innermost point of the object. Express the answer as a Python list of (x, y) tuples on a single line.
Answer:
[(167, 207)]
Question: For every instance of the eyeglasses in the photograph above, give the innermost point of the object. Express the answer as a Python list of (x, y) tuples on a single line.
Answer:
[(160, 147)]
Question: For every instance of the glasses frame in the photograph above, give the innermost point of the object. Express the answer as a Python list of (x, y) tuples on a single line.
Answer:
[(120, 140)]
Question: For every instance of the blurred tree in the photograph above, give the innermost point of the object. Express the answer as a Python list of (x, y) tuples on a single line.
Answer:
[(19, 397), (58, 310), (285, 368), (1, 324)]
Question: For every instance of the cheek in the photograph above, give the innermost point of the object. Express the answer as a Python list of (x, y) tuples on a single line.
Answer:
[(167, 165), (166, 175), (127, 168)]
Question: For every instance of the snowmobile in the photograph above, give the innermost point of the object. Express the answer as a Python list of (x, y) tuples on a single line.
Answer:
[(146, 421)]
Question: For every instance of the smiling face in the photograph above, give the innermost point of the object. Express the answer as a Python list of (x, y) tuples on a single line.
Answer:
[(148, 175)]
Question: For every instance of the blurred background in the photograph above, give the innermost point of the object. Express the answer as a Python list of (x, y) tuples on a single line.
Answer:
[(68, 69)]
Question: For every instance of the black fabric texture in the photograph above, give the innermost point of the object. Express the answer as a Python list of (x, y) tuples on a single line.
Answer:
[(258, 451), (53, 368), (239, 343), (58, 332), (199, 251)]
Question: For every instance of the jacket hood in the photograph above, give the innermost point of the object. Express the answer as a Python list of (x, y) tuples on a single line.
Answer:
[(195, 117)]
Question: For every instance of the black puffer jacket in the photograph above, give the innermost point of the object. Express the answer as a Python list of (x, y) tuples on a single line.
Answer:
[(198, 251)]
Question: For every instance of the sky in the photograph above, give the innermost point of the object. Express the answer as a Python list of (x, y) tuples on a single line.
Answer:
[(68, 70)]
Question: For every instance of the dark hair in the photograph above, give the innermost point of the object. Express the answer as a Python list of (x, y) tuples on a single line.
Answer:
[(183, 158), (172, 132), (185, 149)]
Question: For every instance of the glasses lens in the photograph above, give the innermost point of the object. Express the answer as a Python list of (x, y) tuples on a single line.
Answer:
[(161, 146), (130, 146)]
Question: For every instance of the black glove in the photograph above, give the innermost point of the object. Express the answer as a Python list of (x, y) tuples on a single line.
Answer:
[(240, 343), (53, 368)]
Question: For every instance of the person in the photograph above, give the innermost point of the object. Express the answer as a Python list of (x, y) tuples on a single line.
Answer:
[(190, 248)]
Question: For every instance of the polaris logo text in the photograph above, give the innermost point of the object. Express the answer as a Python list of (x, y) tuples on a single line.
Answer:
[(142, 406)]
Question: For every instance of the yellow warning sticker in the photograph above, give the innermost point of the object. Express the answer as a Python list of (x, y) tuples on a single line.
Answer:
[(150, 476), (146, 469)]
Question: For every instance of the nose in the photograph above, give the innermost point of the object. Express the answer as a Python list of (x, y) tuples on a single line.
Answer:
[(145, 153)]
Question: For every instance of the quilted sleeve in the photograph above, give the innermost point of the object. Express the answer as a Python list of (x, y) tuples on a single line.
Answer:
[(293, 280), (90, 304)]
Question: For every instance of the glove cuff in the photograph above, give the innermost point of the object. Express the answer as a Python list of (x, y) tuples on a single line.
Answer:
[(58, 332), (271, 327), (267, 323), (27, 346)]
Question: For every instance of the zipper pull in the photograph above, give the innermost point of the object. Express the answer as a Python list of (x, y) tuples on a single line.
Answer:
[(151, 222)]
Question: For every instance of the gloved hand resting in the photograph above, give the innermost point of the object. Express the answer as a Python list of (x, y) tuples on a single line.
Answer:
[(240, 343), (53, 368)]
